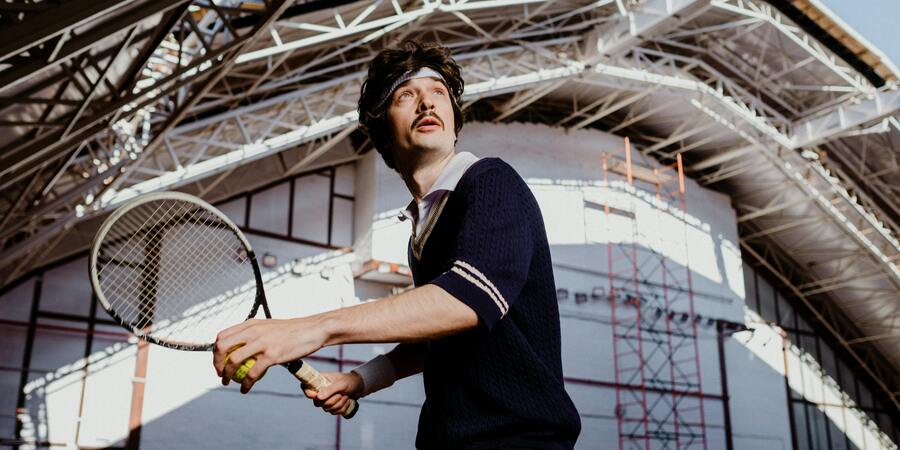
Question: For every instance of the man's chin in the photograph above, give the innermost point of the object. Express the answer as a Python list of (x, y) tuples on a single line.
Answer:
[(428, 142)]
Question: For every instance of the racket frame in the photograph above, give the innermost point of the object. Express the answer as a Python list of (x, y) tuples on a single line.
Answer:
[(93, 258), (303, 372)]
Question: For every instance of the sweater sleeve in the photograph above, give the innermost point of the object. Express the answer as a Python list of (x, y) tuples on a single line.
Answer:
[(491, 260)]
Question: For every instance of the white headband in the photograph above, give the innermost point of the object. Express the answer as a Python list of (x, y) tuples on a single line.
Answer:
[(424, 72)]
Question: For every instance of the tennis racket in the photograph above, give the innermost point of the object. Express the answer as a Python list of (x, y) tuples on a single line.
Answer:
[(174, 271)]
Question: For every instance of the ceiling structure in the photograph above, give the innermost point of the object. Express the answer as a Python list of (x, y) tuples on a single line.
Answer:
[(766, 101)]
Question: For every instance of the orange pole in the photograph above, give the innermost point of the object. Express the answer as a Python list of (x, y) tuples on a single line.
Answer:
[(628, 160), (603, 162)]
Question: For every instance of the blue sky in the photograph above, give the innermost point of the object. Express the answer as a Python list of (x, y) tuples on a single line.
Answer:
[(878, 21)]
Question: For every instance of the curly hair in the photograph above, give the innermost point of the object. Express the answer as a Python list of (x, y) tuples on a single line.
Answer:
[(388, 66)]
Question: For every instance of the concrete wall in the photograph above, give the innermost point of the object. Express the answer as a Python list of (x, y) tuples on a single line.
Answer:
[(81, 365)]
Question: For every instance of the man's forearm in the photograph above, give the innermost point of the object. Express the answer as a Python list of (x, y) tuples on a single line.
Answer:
[(420, 314), (407, 359), (384, 370)]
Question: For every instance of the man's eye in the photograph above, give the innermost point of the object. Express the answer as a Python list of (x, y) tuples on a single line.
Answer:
[(405, 94)]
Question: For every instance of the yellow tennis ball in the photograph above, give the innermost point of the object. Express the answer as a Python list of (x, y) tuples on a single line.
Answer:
[(243, 369)]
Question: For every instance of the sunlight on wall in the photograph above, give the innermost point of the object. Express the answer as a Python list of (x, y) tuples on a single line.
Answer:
[(574, 215), (390, 238), (808, 380), (174, 378), (53, 400)]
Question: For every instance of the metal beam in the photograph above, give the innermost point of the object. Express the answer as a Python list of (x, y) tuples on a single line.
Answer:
[(647, 19), (825, 323), (522, 99), (135, 13), (847, 116), (212, 77), (39, 28)]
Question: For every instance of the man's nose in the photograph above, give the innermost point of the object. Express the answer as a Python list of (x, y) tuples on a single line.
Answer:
[(426, 103)]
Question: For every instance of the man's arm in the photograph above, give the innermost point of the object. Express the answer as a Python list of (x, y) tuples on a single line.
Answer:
[(408, 360), (420, 314), (382, 371), (424, 313), (379, 373)]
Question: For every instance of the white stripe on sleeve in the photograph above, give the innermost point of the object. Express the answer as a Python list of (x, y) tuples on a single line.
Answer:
[(480, 276), (499, 302)]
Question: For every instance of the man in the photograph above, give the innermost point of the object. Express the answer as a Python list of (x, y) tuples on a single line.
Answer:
[(482, 324)]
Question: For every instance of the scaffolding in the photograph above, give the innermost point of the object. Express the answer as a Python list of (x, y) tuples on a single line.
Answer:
[(656, 360)]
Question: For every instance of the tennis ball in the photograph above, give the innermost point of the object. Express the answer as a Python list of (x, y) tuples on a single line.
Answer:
[(243, 369)]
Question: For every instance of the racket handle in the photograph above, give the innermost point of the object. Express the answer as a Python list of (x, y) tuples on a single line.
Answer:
[(307, 374)]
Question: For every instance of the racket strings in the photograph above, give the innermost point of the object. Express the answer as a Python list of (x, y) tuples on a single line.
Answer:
[(176, 290), (130, 230), (142, 235), (193, 276)]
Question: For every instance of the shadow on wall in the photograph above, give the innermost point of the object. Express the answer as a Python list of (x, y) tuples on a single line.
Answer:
[(185, 407), (824, 415), (621, 232)]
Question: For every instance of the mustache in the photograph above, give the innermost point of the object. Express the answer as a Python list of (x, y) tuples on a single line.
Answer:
[(425, 116)]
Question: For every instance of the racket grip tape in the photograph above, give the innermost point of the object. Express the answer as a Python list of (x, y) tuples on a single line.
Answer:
[(308, 375)]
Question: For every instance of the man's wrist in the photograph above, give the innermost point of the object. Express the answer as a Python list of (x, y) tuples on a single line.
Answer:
[(377, 374), (331, 329)]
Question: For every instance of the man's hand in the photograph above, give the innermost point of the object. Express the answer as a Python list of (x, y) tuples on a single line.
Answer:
[(335, 398), (270, 341)]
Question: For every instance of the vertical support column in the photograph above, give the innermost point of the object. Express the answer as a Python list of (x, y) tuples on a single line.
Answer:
[(693, 317), (787, 389), (613, 298), (149, 284), (85, 371), (26, 358), (723, 375), (137, 396)]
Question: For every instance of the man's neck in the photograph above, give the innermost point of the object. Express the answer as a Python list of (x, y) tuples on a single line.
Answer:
[(420, 176)]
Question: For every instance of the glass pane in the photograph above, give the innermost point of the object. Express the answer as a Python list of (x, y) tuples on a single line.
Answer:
[(865, 396), (67, 290), (750, 287), (268, 210), (884, 422), (235, 210), (342, 222), (812, 373), (312, 195), (794, 366), (766, 301), (344, 177), (828, 360), (802, 324), (786, 316), (854, 429), (800, 427), (817, 427), (836, 427), (848, 382)]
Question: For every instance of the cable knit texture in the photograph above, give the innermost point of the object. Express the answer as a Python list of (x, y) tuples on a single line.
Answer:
[(499, 385)]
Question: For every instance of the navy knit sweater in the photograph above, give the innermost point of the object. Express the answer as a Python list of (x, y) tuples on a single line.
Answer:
[(499, 385)]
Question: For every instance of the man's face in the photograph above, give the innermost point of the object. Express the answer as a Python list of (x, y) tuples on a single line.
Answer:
[(421, 119)]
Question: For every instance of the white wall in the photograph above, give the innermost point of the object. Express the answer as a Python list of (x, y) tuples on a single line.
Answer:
[(183, 395)]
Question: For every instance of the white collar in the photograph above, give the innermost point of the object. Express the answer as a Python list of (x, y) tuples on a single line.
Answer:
[(446, 182)]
